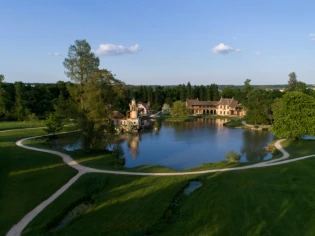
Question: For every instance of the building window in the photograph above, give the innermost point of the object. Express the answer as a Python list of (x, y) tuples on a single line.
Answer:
[(220, 112), (227, 113)]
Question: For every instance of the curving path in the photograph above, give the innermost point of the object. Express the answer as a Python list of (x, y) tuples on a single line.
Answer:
[(18, 228)]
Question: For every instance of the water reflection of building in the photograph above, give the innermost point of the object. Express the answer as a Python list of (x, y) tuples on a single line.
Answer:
[(133, 144), (254, 143), (200, 123), (132, 140)]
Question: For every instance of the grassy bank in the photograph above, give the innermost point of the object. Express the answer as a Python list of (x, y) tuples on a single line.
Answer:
[(123, 205), (278, 200), (26, 177), (180, 119), (298, 148), (8, 125), (234, 123)]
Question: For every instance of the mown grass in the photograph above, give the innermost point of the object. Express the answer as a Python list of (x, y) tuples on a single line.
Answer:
[(234, 123), (26, 177), (278, 200), (298, 148), (123, 205), (219, 165), (8, 125), (269, 201)]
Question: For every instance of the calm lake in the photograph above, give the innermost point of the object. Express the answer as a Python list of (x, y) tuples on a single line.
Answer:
[(183, 145)]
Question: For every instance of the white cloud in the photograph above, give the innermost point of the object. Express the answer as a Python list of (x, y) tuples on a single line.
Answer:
[(313, 39), (221, 48), (311, 35), (257, 53), (112, 49), (56, 54)]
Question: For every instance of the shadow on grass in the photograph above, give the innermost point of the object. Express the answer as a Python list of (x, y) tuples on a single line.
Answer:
[(124, 205), (26, 178)]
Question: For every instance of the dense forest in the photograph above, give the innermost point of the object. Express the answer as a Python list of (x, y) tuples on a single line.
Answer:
[(19, 101)]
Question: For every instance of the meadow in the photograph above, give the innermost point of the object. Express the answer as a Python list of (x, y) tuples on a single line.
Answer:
[(277, 200)]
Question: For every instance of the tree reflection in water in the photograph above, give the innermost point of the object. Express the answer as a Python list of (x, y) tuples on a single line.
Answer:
[(132, 140), (254, 143), (188, 144)]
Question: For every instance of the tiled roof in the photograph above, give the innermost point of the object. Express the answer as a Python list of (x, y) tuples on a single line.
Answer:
[(223, 101), (229, 101), (146, 105), (196, 102), (118, 115)]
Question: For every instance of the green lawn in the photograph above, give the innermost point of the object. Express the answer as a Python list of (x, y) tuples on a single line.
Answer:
[(7, 125), (278, 200), (234, 123), (298, 148), (124, 205), (26, 177)]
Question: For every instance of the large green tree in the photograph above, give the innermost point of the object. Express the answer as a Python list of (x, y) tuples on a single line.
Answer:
[(81, 63), (179, 109), (20, 110), (294, 115), (292, 83), (257, 106), (92, 96), (4, 99)]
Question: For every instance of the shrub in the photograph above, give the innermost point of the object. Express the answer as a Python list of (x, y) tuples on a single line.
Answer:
[(270, 148), (232, 156), (32, 117), (54, 124)]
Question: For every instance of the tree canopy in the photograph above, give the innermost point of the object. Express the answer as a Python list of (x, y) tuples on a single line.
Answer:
[(179, 109), (93, 95), (294, 115)]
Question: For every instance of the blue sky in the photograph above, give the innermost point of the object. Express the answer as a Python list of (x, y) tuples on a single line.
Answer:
[(165, 42)]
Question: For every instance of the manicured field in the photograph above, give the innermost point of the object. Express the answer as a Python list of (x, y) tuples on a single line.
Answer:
[(234, 123), (20, 125), (277, 200), (298, 148), (26, 177)]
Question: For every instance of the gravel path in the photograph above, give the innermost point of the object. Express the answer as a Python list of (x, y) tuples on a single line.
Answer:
[(18, 228)]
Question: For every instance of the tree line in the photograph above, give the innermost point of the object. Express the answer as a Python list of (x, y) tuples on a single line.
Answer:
[(18, 100)]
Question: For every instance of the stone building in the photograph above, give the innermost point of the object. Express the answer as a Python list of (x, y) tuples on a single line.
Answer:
[(132, 121), (144, 108), (224, 107)]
